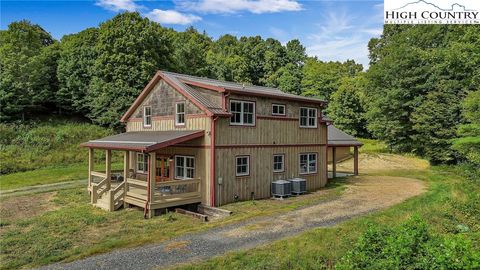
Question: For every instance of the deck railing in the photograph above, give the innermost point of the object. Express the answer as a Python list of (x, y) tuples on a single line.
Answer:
[(98, 189)]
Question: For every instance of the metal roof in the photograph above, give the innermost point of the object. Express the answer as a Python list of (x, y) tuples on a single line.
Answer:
[(337, 137), (242, 88), (144, 141)]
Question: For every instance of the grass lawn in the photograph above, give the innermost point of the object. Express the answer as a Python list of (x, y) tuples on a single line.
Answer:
[(48, 175), (450, 201), (61, 226)]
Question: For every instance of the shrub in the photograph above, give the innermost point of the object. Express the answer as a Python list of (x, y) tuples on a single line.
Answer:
[(410, 246)]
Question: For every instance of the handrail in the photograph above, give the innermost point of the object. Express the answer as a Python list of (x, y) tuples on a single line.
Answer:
[(98, 174), (113, 193), (136, 182), (177, 182)]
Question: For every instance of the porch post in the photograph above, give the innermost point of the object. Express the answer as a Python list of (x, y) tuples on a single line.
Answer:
[(126, 169), (151, 178), (108, 168), (355, 160), (90, 167), (334, 162)]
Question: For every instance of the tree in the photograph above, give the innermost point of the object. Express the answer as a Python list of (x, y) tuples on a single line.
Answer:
[(75, 69), (321, 79), (347, 106), (190, 52), (468, 143), (130, 49), (26, 82)]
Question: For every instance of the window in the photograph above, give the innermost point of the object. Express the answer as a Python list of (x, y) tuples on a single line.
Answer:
[(142, 162), (180, 113), (242, 165), (147, 116), (278, 163), (308, 163), (308, 117), (278, 109), (243, 113), (184, 167)]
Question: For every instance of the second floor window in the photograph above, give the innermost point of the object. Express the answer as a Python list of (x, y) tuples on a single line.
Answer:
[(147, 116), (308, 117), (243, 113), (278, 109), (180, 113)]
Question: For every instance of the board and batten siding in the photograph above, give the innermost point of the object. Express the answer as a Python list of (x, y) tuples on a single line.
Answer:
[(270, 135), (261, 171)]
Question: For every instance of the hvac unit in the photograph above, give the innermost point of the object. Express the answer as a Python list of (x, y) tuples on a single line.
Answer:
[(299, 186), (281, 188)]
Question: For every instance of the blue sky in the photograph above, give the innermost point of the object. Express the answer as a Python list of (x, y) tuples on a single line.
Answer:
[(331, 30)]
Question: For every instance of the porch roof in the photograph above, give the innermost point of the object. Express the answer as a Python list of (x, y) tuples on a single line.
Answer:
[(337, 137), (144, 141)]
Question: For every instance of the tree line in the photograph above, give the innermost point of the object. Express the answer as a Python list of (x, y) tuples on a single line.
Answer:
[(420, 94)]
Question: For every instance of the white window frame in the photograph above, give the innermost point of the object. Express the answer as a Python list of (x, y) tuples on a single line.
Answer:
[(145, 116), (185, 167), (308, 117), (283, 163), (308, 163), (279, 106), (143, 160), (242, 113), (247, 173), (178, 114)]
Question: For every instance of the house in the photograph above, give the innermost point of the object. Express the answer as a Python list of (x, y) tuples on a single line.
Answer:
[(196, 140)]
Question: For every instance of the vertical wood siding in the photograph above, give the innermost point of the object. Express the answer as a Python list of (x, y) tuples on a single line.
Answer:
[(261, 171)]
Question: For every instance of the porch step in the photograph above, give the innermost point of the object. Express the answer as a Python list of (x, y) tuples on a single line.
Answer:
[(104, 203)]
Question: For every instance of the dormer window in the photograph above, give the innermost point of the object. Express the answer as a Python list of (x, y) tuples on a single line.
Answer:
[(278, 109), (180, 114), (243, 113), (147, 116)]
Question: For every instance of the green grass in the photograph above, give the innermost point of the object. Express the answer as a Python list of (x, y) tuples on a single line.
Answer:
[(68, 227), (451, 200), (48, 175), (373, 146), (35, 145)]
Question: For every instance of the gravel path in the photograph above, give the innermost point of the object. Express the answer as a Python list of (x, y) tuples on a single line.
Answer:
[(42, 188), (363, 195)]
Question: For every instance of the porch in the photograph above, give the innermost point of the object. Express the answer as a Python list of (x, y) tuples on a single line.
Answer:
[(156, 185)]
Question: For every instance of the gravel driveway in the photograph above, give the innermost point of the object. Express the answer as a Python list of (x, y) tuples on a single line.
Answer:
[(363, 195)]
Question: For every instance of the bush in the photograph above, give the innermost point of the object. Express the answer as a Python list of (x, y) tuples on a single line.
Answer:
[(34, 145), (410, 246)]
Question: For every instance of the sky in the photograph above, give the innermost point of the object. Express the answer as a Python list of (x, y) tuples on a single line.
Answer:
[(334, 30)]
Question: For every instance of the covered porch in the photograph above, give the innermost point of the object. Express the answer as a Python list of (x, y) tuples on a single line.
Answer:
[(339, 149), (153, 175)]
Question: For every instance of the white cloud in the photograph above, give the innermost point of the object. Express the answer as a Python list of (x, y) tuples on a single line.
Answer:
[(341, 37), (118, 5), (171, 17), (233, 6)]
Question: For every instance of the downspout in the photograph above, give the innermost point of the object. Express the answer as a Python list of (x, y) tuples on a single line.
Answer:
[(145, 211), (212, 161)]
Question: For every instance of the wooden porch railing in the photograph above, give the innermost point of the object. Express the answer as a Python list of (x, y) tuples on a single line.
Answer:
[(98, 189), (115, 195), (176, 189)]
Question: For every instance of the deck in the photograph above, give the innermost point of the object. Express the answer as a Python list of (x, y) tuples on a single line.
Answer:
[(111, 195)]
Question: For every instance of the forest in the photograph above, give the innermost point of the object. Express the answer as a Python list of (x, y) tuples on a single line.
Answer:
[(420, 93)]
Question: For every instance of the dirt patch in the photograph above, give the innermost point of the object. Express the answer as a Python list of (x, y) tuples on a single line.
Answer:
[(369, 163), (362, 195), (21, 207)]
